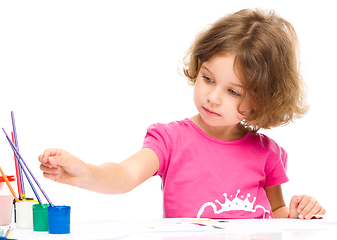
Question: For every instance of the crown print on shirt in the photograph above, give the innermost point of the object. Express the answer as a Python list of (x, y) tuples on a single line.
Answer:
[(231, 205)]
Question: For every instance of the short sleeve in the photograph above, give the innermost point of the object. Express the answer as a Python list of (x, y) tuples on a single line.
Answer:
[(157, 139), (276, 168)]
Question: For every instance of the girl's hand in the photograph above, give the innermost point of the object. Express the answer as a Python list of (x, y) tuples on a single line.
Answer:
[(305, 207), (60, 166)]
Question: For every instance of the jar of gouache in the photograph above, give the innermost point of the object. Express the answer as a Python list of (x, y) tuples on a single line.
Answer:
[(59, 219)]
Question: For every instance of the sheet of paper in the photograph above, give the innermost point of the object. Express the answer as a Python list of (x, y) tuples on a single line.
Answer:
[(174, 225), (229, 226)]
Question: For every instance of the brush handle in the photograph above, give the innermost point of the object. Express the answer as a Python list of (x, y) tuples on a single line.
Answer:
[(30, 172), (27, 176), (18, 175), (16, 143), (9, 185)]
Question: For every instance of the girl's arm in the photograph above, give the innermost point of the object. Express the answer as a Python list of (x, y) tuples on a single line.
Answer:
[(110, 178), (275, 197), (302, 206)]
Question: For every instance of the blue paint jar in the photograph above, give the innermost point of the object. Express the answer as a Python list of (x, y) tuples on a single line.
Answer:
[(59, 219)]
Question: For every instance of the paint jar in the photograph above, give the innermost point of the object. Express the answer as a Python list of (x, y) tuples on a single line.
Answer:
[(59, 219), (24, 214), (6, 201), (40, 217)]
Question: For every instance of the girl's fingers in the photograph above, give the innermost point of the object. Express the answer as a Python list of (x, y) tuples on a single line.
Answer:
[(321, 211), (48, 169), (303, 203), (312, 208), (50, 176), (307, 205), (316, 210)]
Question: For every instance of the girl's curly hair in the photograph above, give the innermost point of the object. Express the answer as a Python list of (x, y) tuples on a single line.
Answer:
[(266, 62)]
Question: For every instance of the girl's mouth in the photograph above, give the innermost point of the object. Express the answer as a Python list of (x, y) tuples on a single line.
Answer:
[(211, 113)]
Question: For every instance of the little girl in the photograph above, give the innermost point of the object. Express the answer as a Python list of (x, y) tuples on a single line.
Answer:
[(244, 70)]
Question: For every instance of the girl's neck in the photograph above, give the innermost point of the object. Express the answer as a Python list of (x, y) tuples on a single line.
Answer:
[(227, 133)]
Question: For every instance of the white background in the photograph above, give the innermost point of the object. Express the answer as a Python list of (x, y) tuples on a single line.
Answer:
[(91, 76)]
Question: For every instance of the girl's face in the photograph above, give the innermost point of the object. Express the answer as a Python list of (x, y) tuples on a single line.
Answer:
[(218, 92)]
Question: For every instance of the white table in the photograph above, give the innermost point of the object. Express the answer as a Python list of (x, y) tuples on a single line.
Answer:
[(190, 229)]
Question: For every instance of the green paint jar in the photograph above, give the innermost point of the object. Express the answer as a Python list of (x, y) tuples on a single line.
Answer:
[(40, 217)]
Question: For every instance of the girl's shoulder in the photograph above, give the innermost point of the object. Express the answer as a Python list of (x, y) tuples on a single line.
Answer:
[(265, 144), (264, 140), (172, 131), (171, 127)]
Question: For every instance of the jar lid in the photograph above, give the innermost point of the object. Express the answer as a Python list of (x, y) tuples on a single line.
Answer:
[(11, 178), (40, 207), (59, 209)]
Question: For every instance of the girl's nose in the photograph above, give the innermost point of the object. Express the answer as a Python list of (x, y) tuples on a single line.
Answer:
[(214, 96)]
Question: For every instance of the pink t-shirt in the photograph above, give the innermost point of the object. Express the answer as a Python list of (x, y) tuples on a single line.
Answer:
[(211, 178)]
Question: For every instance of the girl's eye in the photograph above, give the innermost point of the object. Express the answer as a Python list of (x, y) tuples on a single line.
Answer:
[(232, 92), (207, 79)]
